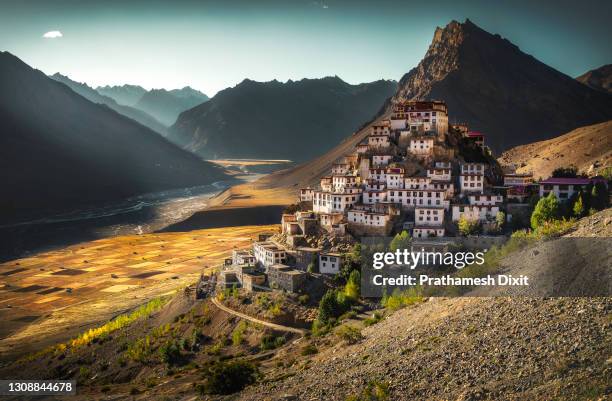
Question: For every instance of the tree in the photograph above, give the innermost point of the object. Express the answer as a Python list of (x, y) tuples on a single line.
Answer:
[(467, 226), (313, 266), (546, 210), (352, 289), (229, 377), (328, 307), (578, 206), (400, 241), (565, 172), (599, 196), (500, 220)]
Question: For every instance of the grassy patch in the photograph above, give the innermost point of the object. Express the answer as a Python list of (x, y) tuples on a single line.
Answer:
[(349, 334), (399, 299), (374, 391), (372, 320), (238, 333), (309, 349)]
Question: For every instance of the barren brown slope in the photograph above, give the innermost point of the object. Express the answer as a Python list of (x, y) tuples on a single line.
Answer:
[(588, 148)]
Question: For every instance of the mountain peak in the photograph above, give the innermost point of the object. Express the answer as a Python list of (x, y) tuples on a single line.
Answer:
[(490, 82)]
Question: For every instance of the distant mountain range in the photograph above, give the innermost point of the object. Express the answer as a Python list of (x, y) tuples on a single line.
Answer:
[(59, 150), (295, 120), (497, 89), (167, 105), (127, 95), (164, 105), (94, 96), (599, 78)]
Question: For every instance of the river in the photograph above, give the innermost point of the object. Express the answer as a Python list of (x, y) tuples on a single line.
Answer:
[(135, 215)]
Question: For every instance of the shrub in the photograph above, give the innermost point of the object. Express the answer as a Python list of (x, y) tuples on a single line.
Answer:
[(276, 309), (374, 391), (468, 227), (400, 241), (169, 352), (350, 334), (140, 350), (375, 318), (238, 333), (398, 299), (269, 341), (352, 289), (320, 329), (216, 348), (303, 299), (500, 220), (229, 377), (309, 349), (578, 208)]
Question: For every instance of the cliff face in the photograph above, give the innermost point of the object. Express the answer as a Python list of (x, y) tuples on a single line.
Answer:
[(492, 85), (441, 59)]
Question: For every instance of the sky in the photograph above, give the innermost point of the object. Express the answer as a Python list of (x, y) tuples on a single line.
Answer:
[(212, 45)]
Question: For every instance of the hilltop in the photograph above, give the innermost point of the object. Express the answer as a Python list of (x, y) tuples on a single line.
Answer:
[(296, 120), (588, 148)]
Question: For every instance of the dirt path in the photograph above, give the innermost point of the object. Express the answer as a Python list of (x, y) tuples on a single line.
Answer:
[(255, 320)]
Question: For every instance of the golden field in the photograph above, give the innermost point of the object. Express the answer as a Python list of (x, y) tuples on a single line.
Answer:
[(51, 296)]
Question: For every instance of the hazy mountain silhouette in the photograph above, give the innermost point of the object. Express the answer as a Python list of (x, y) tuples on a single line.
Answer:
[(599, 78), (499, 90), (293, 120), (127, 95), (92, 95), (166, 105), (59, 150)]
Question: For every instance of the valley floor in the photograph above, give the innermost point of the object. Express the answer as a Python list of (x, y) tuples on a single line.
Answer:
[(49, 297)]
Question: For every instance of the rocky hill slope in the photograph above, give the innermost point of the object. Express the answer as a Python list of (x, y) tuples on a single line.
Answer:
[(273, 120), (588, 148), (599, 78), (497, 89), (93, 96), (58, 150), (470, 348)]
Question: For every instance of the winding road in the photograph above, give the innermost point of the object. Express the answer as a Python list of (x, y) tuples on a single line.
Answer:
[(259, 321)]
